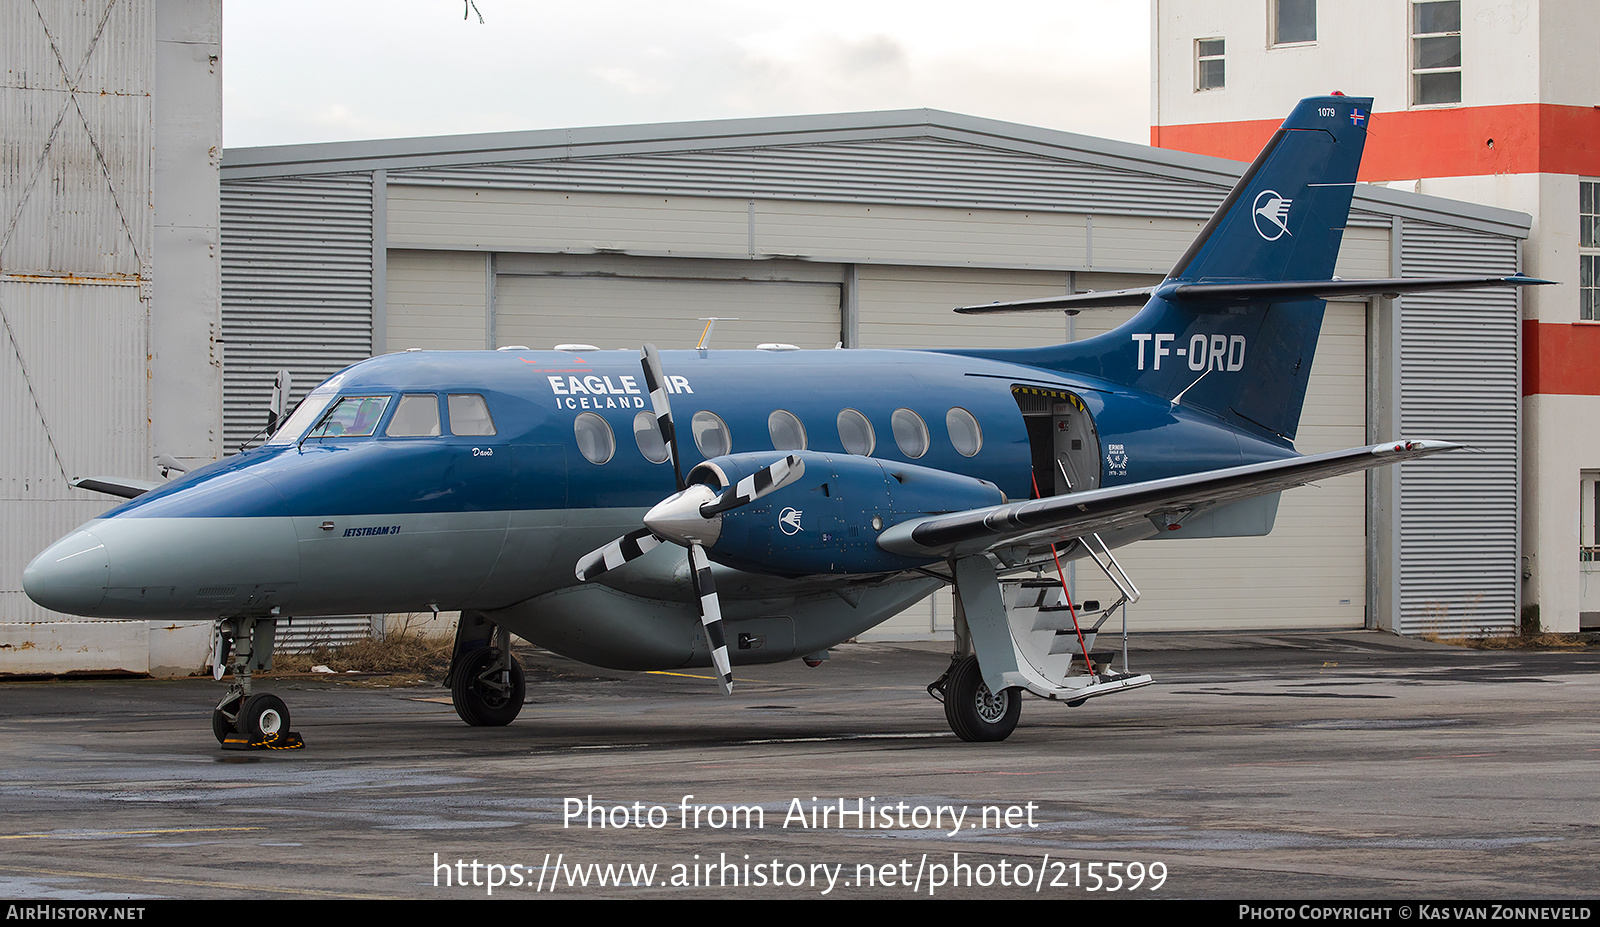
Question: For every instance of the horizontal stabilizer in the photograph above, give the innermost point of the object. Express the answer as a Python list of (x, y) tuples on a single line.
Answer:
[(1071, 303), (1039, 522), (1251, 291), (115, 486), (1289, 290)]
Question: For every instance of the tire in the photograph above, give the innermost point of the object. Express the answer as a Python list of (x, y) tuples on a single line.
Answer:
[(479, 704), (222, 723), (975, 715), (263, 717)]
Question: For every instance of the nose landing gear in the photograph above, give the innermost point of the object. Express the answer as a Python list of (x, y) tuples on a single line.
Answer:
[(242, 720)]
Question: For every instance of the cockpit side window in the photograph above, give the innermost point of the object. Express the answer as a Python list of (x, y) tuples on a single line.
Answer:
[(352, 417), (417, 416), (469, 415)]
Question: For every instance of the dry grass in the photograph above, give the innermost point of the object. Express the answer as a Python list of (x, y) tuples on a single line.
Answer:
[(1535, 642), (398, 654)]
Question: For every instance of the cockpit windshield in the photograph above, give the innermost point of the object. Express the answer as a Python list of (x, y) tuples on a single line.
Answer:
[(309, 411)]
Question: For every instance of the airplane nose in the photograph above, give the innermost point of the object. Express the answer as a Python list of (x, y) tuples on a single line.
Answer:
[(70, 576)]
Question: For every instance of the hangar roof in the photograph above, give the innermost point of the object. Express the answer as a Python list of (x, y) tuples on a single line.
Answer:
[(920, 156)]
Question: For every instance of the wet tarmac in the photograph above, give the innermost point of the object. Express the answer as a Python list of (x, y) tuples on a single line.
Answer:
[(1285, 766)]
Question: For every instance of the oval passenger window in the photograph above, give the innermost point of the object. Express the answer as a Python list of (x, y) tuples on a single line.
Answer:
[(595, 440), (648, 436), (855, 433), (788, 434), (965, 435), (710, 434), (910, 432)]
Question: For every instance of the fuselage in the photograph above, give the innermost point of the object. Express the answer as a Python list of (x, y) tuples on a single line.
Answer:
[(357, 518)]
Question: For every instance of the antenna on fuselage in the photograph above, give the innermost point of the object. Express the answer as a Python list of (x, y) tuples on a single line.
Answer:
[(705, 336)]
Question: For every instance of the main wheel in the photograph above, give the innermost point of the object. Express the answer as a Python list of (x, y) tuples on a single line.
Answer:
[(263, 716), (975, 713), (481, 699)]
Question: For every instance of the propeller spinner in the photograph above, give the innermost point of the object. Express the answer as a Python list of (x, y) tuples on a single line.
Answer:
[(689, 518)]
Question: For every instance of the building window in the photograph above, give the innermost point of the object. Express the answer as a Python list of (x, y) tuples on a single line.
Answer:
[(1209, 67), (1436, 52), (1589, 249), (1294, 21)]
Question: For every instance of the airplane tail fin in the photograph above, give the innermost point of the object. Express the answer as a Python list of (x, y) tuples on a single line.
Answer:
[(1205, 338), (1285, 218)]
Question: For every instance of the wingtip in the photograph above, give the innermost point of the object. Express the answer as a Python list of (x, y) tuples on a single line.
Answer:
[(1407, 446)]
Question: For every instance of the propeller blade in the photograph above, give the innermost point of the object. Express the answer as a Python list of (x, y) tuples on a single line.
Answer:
[(630, 546), (656, 382), (770, 478), (710, 615)]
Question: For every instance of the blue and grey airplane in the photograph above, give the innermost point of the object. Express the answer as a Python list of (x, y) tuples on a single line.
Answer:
[(710, 508)]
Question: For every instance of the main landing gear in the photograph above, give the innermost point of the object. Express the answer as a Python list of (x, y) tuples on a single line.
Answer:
[(486, 683), (974, 713), (1024, 635), (244, 720)]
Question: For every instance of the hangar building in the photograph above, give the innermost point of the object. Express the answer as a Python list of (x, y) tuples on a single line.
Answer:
[(863, 230)]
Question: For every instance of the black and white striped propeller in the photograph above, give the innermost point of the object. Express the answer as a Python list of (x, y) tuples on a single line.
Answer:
[(689, 518)]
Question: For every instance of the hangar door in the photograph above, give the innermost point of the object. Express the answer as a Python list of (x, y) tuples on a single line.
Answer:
[(1310, 572), (611, 311)]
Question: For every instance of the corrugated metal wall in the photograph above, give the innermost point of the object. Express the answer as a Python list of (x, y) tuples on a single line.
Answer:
[(297, 291), (1459, 381), (75, 246), (75, 182), (906, 171), (297, 284)]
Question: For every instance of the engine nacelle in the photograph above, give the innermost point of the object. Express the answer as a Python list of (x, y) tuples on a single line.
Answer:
[(828, 521)]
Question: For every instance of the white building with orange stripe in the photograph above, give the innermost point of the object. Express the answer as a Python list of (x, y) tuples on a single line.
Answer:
[(1490, 101)]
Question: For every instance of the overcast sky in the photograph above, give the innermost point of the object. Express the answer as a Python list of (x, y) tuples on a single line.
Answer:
[(297, 71)]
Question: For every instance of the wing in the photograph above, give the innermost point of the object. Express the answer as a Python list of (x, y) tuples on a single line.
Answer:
[(1043, 521)]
